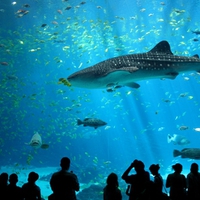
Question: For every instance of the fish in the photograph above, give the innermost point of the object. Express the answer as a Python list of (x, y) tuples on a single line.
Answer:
[(192, 153), (36, 142), (43, 25), (126, 70), (196, 32), (4, 63), (183, 128), (197, 129), (93, 122), (68, 8), (11, 77), (26, 5), (177, 139)]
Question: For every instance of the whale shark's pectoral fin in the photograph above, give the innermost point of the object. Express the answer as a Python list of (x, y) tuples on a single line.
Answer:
[(132, 85), (171, 75)]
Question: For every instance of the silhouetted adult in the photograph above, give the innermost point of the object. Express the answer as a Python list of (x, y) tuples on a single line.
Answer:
[(137, 181), (64, 183), (3, 185), (14, 192), (111, 191), (193, 182), (30, 190), (177, 183)]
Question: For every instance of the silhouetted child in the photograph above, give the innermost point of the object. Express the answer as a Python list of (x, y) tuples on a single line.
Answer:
[(14, 192), (30, 190), (111, 191)]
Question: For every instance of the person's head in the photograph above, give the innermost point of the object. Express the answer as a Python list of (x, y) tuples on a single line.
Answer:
[(13, 178), (112, 180), (32, 177), (65, 163), (154, 169), (138, 165), (194, 168), (4, 178), (177, 168)]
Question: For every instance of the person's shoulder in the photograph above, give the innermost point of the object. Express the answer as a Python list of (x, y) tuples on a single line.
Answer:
[(189, 174), (147, 173), (56, 173), (24, 185), (71, 174), (19, 188), (118, 190), (182, 175), (105, 188), (170, 175)]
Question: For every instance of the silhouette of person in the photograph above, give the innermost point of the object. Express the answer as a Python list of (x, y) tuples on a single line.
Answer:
[(30, 190), (193, 182), (3, 185), (13, 191), (158, 181), (137, 181), (111, 191), (64, 183), (177, 183)]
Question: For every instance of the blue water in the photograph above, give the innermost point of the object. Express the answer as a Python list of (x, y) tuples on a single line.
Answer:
[(138, 120)]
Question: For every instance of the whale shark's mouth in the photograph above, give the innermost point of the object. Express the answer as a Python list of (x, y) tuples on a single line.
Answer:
[(35, 143)]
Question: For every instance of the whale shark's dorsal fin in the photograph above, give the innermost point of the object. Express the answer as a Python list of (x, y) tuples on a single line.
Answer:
[(162, 47)]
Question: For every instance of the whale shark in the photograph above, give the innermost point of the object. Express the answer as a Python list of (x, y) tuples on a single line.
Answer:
[(127, 70), (36, 142)]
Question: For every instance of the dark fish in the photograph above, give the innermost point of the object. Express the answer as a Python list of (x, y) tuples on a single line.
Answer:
[(68, 8), (126, 70), (192, 153), (83, 2), (12, 77), (196, 32), (195, 40), (93, 122), (43, 25), (4, 63), (183, 128), (26, 5)]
